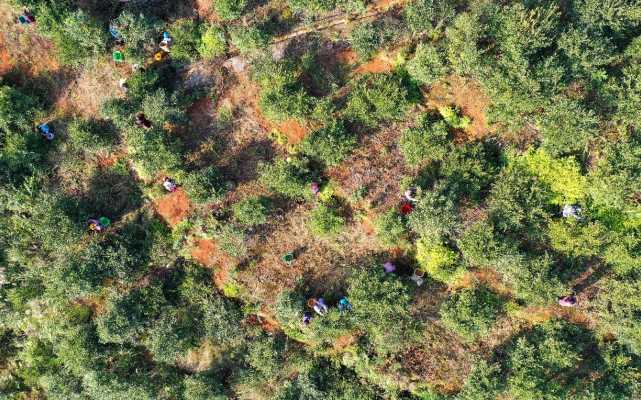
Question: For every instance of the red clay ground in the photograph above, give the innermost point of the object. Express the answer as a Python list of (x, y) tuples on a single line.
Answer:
[(381, 63), (207, 253), (293, 130), (173, 207), (22, 47)]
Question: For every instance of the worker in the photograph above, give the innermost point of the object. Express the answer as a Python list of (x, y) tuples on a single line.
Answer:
[(115, 33), (169, 184), (95, 225), (571, 211), (568, 301), (389, 267), (142, 121), (417, 277), (318, 305), (406, 208), (122, 84), (315, 187), (344, 305), (46, 131), (166, 42), (410, 194), (26, 18)]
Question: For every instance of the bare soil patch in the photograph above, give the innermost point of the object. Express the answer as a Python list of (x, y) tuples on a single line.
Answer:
[(80, 97), (21, 46), (381, 63), (173, 207), (376, 166), (207, 253), (293, 130), (468, 95)]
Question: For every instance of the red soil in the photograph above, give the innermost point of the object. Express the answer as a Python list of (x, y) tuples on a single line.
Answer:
[(173, 207), (207, 253), (379, 64), (346, 56), (294, 131), (468, 95)]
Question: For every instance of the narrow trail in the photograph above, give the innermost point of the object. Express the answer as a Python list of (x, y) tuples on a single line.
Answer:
[(371, 11)]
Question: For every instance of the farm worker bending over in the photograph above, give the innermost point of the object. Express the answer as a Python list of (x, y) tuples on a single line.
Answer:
[(166, 42), (169, 184), (26, 18), (319, 306), (568, 301), (410, 194), (142, 121), (344, 305), (46, 131)]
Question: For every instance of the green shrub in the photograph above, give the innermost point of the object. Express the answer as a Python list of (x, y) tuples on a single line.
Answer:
[(288, 178), (427, 15), (468, 171), (567, 127), (330, 144), (367, 38), (186, 35), (378, 97), (201, 387), (519, 204), (127, 315), (435, 216), (249, 39), (452, 115), (205, 185), (283, 103), (438, 261), (540, 360), (480, 246), (562, 176), (171, 335), (483, 383), (619, 308), (428, 64), (471, 312), (577, 239), (140, 34), (17, 110), (228, 10), (213, 42), (90, 135), (381, 309), (463, 53), (390, 228), (251, 211), (325, 220), (428, 141), (79, 37), (534, 279)]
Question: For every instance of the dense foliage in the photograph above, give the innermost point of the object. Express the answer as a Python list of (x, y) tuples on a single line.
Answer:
[(320, 199)]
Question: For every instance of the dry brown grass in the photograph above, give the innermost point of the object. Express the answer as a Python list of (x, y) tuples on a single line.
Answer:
[(201, 358), (376, 165), (96, 83)]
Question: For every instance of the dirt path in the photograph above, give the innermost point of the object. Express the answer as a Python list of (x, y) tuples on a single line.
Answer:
[(373, 10)]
